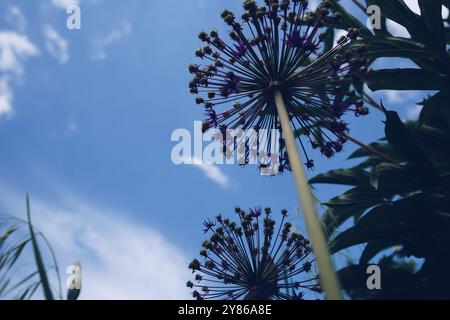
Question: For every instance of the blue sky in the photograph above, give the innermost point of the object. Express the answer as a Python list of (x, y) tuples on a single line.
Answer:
[(86, 118)]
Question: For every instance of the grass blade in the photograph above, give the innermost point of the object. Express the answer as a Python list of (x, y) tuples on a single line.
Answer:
[(38, 257)]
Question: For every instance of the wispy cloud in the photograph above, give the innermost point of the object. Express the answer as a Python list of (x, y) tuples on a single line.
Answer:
[(121, 259), (414, 6), (56, 45), (413, 113), (212, 172), (15, 48), (102, 43), (6, 96), (400, 31), (397, 97), (15, 18), (409, 99), (72, 126), (65, 3), (397, 29)]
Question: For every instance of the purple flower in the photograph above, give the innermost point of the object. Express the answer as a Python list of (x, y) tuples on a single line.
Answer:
[(279, 47), (296, 40), (240, 50), (253, 259), (209, 225)]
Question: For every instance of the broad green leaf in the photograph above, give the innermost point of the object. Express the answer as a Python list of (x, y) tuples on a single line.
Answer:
[(403, 140), (393, 47), (373, 248), (348, 177), (391, 179), (399, 12), (431, 14), (433, 106), (348, 21), (435, 144), (381, 147), (375, 225), (405, 79), (395, 283), (352, 203)]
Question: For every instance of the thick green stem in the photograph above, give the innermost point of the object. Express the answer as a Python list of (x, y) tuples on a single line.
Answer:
[(329, 281)]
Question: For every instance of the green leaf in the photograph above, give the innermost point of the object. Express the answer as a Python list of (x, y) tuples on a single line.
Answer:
[(405, 79), (399, 135), (433, 106), (378, 224), (352, 203), (382, 147), (383, 31), (73, 294), (38, 257), (373, 248), (431, 14), (349, 177), (349, 21), (393, 47), (389, 179), (399, 12), (435, 143), (396, 283), (403, 140), (329, 40), (22, 282)]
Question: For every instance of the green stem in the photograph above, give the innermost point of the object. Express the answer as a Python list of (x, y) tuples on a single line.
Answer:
[(359, 5), (329, 280), (371, 149), (373, 103)]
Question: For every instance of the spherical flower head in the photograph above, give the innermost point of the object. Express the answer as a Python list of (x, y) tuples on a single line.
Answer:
[(279, 46), (253, 259)]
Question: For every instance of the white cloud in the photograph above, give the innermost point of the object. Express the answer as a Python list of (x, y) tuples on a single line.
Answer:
[(400, 31), (396, 29), (65, 3), (56, 45), (405, 98), (396, 97), (72, 127), (414, 6), (120, 259), (15, 48), (6, 96), (101, 44), (412, 113), (445, 12), (212, 172), (15, 18)]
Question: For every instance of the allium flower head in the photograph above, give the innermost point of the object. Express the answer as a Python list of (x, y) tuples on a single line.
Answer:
[(252, 259), (280, 46)]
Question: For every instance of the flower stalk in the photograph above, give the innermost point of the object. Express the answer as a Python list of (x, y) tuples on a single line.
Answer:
[(254, 258), (274, 72), (329, 281)]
